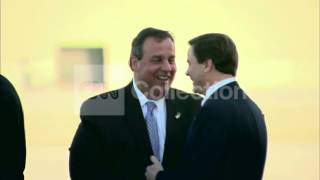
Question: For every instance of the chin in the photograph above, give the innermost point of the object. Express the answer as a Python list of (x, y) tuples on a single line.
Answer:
[(195, 91), (164, 84), (198, 90)]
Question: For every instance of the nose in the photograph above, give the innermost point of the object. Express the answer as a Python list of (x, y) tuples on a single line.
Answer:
[(187, 72), (166, 66)]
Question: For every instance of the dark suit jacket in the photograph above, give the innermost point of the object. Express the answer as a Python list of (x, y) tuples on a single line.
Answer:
[(112, 140), (12, 138), (227, 141)]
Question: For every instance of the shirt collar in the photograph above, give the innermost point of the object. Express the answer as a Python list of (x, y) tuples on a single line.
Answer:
[(214, 87), (143, 99)]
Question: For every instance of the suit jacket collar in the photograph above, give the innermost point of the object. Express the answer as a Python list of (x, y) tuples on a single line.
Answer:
[(171, 126), (135, 120), (216, 86), (228, 91)]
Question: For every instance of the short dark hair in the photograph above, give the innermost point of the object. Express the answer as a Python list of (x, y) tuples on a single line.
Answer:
[(219, 48), (137, 43)]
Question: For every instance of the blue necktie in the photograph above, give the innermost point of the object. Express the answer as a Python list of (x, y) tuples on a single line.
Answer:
[(153, 129)]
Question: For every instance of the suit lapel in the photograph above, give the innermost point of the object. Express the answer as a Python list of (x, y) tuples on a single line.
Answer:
[(172, 128), (135, 120)]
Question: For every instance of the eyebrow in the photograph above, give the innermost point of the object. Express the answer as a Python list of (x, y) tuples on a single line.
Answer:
[(156, 56), (160, 56)]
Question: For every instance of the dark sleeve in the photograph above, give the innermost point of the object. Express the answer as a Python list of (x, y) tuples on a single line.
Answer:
[(12, 136), (87, 159), (209, 148)]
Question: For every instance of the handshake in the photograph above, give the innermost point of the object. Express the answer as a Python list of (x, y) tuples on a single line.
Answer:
[(153, 170)]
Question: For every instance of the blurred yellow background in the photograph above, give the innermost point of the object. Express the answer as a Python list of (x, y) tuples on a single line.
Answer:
[(278, 44)]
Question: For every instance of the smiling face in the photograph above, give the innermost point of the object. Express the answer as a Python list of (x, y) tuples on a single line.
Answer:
[(155, 71), (196, 72)]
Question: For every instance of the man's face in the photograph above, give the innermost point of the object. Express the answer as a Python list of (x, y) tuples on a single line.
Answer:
[(155, 71), (196, 73)]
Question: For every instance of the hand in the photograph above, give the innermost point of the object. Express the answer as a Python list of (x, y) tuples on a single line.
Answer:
[(152, 170)]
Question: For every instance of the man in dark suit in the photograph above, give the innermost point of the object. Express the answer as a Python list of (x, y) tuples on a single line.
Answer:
[(228, 139), (121, 129), (13, 144)]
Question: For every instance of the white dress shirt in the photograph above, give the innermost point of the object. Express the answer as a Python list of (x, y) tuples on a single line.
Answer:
[(159, 112), (214, 87)]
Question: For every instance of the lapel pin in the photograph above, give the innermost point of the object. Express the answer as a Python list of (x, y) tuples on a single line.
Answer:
[(177, 116)]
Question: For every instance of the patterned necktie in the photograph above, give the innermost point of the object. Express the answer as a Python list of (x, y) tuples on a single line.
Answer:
[(153, 129)]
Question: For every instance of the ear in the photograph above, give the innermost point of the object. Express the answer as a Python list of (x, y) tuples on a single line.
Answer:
[(208, 65), (133, 62)]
